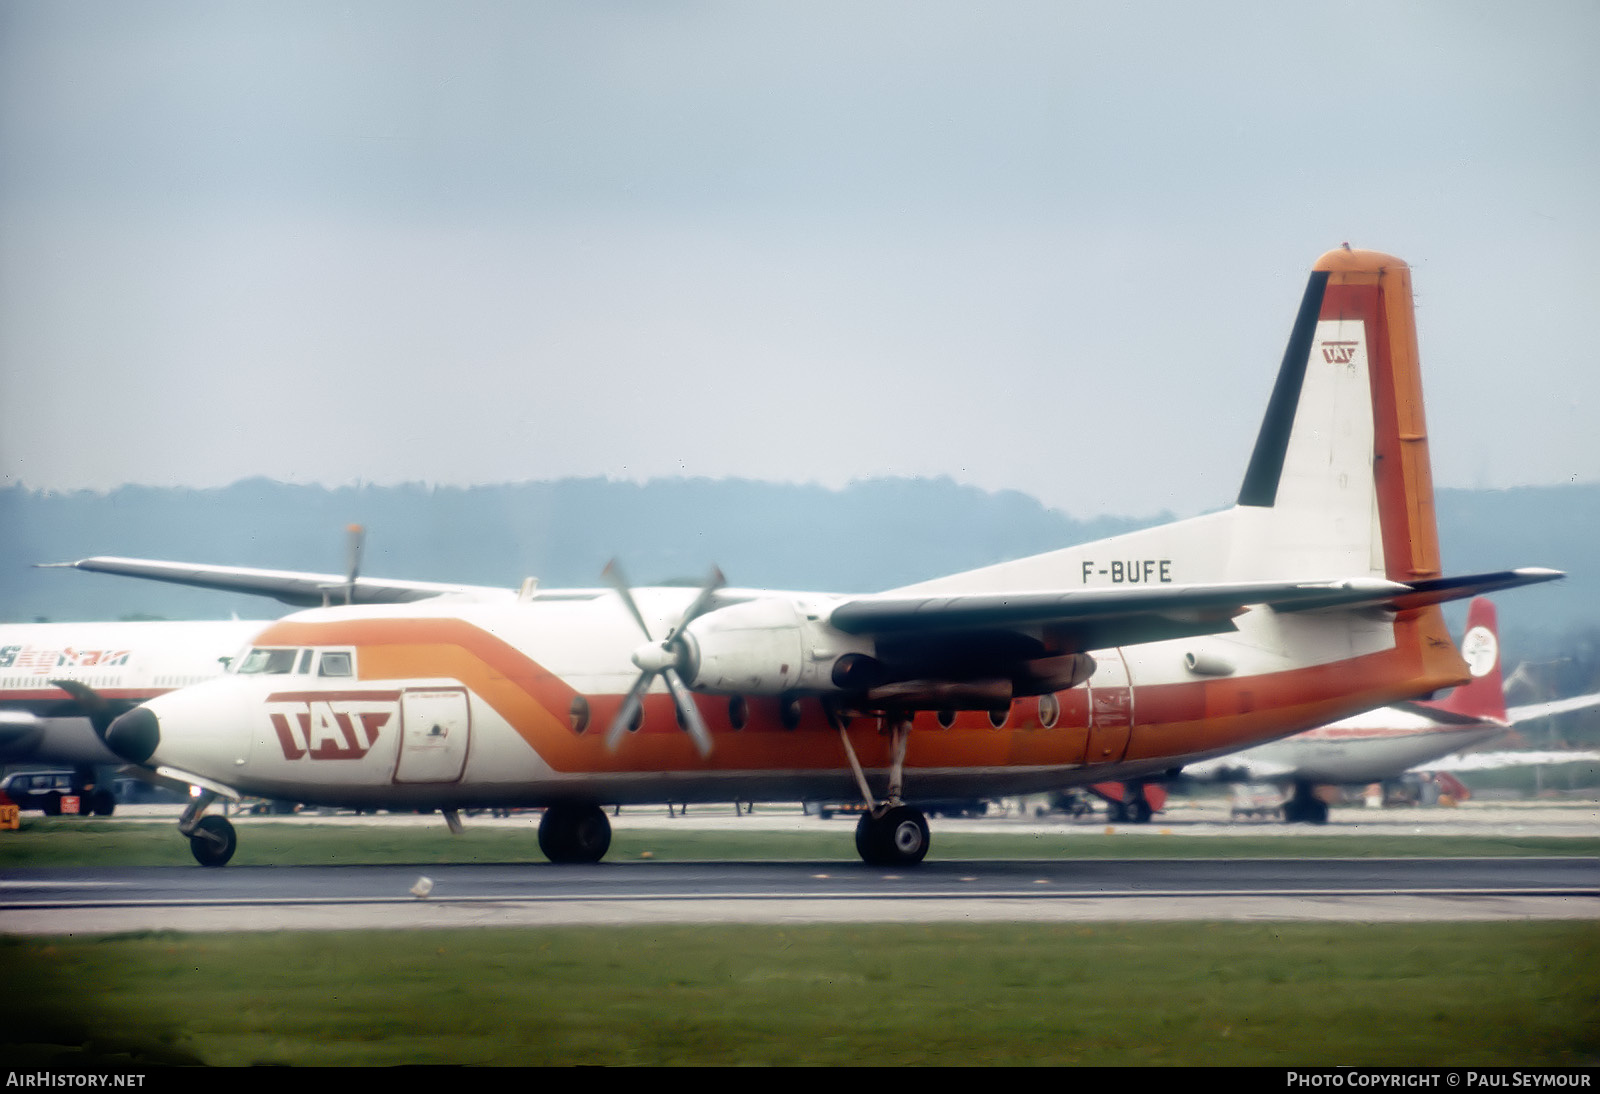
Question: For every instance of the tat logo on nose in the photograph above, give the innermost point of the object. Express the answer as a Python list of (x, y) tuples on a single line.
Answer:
[(330, 726)]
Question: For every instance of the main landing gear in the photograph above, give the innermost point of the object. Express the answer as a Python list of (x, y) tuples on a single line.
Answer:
[(896, 837), (889, 833), (1304, 807), (574, 833)]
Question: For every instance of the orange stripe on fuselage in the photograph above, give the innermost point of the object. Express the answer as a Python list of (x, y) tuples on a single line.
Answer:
[(1170, 719)]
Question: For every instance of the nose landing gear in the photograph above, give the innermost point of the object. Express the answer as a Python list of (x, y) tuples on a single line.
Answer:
[(211, 839)]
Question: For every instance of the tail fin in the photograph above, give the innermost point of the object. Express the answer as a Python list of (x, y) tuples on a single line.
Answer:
[(1482, 696), (1341, 462), (1338, 485)]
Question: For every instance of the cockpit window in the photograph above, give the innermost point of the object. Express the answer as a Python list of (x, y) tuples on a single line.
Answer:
[(334, 664), (278, 662)]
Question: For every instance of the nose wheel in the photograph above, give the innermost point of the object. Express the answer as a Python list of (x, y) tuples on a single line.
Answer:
[(212, 842)]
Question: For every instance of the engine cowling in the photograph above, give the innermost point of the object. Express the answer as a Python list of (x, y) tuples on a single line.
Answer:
[(766, 647)]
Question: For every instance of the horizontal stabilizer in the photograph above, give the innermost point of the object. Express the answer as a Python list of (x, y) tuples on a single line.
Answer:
[(1439, 590)]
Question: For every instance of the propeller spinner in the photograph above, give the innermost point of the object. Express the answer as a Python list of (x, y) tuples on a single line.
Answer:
[(665, 658)]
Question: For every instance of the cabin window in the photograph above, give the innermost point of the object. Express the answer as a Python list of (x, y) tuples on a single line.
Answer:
[(789, 711), (738, 712), (334, 663), (269, 662), (1049, 710), (579, 713), (999, 716)]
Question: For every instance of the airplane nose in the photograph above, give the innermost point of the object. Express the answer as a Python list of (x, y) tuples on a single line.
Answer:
[(134, 735)]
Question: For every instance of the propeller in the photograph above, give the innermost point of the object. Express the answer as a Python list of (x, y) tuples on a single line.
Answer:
[(356, 539), (664, 658)]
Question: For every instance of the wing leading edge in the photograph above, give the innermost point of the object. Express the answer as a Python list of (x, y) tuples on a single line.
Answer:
[(1100, 618), (304, 590)]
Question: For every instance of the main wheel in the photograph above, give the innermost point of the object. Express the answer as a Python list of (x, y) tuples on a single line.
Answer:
[(213, 841), (102, 803), (574, 833), (898, 838), (1139, 811)]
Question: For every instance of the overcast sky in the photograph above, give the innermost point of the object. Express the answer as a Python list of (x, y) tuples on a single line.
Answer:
[(1048, 247)]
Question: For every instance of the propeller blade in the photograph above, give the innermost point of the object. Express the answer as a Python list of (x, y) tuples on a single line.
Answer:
[(658, 659), (693, 724), (630, 707), (96, 707), (612, 575), (357, 540), (714, 582)]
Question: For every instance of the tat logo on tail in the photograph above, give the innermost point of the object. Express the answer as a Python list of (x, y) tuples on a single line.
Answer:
[(1339, 353)]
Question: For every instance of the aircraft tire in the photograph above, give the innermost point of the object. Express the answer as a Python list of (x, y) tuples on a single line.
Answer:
[(1116, 812), (898, 838), (866, 840), (51, 806), (574, 834), (102, 803), (1139, 811), (213, 841)]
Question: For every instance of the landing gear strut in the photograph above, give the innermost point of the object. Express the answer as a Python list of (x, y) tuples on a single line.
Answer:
[(889, 833), (574, 833)]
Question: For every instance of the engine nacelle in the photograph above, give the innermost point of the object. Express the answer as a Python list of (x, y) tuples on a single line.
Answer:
[(766, 647)]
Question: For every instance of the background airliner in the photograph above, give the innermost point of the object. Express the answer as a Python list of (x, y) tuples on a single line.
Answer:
[(1382, 745)]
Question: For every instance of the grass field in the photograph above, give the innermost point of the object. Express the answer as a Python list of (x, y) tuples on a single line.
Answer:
[(80, 842), (1222, 993)]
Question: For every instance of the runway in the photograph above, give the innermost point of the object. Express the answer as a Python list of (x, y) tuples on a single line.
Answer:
[(74, 901), (67, 900)]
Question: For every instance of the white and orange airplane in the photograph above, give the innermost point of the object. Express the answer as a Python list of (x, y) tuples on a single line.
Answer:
[(1382, 745), (1315, 597)]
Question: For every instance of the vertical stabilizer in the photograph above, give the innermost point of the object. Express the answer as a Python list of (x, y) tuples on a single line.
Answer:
[(1483, 696), (1341, 462)]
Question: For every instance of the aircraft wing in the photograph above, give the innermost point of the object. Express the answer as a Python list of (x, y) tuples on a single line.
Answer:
[(1101, 617), (305, 590), (1487, 761), (1531, 711)]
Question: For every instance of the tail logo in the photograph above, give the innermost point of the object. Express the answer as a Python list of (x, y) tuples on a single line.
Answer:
[(1480, 651), (1339, 353)]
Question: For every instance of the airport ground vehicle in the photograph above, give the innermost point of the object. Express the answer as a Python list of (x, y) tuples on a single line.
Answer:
[(52, 793)]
